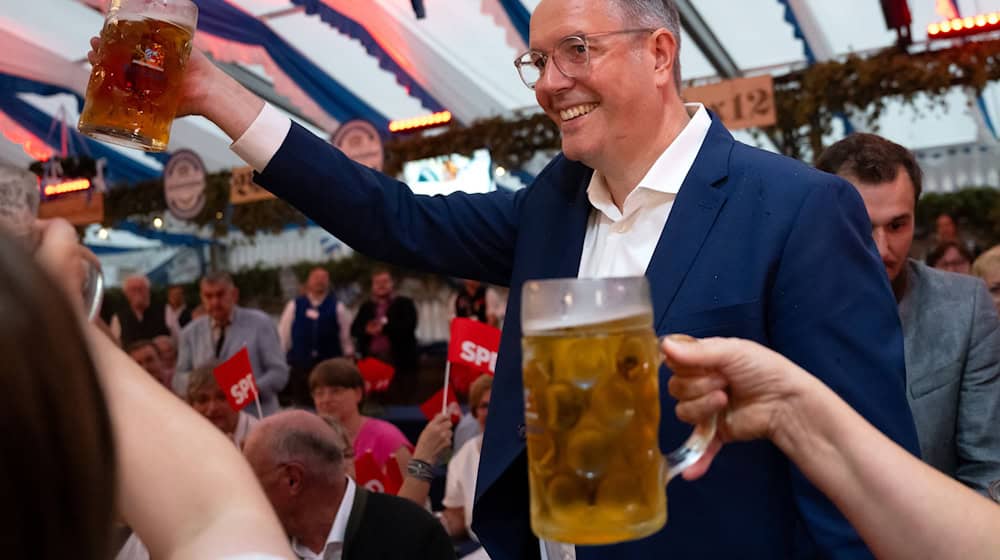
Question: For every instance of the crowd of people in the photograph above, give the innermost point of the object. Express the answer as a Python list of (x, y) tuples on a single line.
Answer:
[(865, 398)]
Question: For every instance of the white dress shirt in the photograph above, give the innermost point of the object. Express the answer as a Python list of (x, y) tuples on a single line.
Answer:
[(617, 242), (334, 548), (343, 321)]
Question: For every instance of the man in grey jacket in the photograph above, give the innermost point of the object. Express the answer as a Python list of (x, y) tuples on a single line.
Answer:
[(223, 331), (951, 332)]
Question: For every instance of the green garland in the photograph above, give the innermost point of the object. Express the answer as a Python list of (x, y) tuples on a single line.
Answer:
[(807, 102)]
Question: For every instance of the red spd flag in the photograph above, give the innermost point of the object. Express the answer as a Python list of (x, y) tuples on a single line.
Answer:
[(368, 474), (235, 378), (376, 373), (393, 479), (432, 407), (474, 344)]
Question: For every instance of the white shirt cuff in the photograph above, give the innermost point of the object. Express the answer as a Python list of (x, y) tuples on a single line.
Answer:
[(261, 140)]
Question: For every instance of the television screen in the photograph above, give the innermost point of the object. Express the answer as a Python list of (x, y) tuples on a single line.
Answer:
[(451, 173)]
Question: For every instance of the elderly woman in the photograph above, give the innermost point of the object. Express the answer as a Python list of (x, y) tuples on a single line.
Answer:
[(206, 398), (987, 267), (337, 389)]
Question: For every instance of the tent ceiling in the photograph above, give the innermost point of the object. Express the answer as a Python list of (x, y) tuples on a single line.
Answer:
[(461, 54)]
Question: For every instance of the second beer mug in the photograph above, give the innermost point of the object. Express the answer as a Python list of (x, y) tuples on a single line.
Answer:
[(592, 410), (134, 88)]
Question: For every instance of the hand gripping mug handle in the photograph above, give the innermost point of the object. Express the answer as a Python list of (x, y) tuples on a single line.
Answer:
[(694, 448)]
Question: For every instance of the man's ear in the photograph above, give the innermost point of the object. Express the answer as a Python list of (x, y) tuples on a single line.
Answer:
[(665, 55), (294, 477)]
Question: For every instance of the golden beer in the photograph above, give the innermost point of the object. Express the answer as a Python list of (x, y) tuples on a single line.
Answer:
[(592, 412), (134, 88)]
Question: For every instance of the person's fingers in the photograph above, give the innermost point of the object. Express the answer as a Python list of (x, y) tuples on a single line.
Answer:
[(704, 407), (95, 43), (698, 469), (688, 388), (685, 355)]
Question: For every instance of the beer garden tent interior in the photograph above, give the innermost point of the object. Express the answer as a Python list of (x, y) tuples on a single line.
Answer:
[(324, 61)]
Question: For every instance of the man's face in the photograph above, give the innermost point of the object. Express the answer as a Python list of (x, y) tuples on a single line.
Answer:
[(336, 402), (318, 282), (211, 403), (149, 359), (953, 261), (946, 230), (175, 296), (269, 474), (137, 294), (890, 209), (382, 285), (218, 299), (168, 352), (600, 113)]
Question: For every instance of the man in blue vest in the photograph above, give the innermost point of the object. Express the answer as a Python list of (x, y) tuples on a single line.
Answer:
[(313, 327)]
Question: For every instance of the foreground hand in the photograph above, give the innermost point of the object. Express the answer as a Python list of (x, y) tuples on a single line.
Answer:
[(434, 440), (200, 76), (60, 253), (744, 382)]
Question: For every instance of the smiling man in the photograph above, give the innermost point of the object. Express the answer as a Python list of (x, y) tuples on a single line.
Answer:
[(734, 241)]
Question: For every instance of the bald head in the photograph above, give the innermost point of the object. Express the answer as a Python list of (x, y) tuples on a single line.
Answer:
[(297, 436)]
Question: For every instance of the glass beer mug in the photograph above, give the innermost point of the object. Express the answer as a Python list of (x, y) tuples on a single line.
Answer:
[(592, 411), (134, 87)]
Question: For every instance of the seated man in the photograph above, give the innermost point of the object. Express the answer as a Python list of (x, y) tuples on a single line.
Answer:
[(145, 354), (206, 397), (299, 461)]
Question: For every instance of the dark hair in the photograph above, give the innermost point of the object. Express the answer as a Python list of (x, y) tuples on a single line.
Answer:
[(140, 344), (380, 270), (57, 460), (336, 372), (937, 253), (869, 158), (218, 277)]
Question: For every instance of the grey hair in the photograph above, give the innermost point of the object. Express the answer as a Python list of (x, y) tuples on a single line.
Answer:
[(655, 14), (320, 453), (217, 277), (142, 278)]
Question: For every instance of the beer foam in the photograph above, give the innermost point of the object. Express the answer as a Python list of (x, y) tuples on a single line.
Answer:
[(582, 317)]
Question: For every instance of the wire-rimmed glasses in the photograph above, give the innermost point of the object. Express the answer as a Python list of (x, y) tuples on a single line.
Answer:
[(571, 56)]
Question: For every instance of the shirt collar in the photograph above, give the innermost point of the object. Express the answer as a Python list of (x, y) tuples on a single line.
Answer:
[(337, 530), (216, 325), (668, 171)]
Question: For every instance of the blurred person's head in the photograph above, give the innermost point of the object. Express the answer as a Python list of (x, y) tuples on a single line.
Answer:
[(318, 282), (889, 180), (471, 285), (347, 446), (145, 354), (945, 228), (479, 398), (206, 398), (950, 256), (167, 349), (136, 289), (299, 462), (175, 296), (337, 388), (382, 284), (987, 267), (218, 295), (57, 458)]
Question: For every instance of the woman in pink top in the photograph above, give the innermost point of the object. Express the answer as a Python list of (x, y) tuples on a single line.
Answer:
[(337, 390)]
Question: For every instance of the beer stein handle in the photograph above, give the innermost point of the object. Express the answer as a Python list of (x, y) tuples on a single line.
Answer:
[(692, 449), (93, 290)]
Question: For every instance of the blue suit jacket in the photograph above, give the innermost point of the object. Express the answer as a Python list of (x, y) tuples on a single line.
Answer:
[(757, 246)]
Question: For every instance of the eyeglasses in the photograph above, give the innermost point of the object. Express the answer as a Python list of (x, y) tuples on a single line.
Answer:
[(571, 57)]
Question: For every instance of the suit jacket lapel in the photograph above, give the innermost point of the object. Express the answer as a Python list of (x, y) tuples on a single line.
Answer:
[(691, 218), (569, 235), (354, 520)]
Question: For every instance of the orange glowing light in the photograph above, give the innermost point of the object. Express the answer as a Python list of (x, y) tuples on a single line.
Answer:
[(426, 121), (933, 29), (67, 187), (969, 21), (980, 21)]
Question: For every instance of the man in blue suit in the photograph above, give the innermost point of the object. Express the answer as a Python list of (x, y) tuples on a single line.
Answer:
[(734, 241)]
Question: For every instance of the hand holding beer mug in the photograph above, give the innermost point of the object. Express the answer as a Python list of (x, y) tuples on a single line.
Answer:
[(19, 200), (592, 411), (135, 85)]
